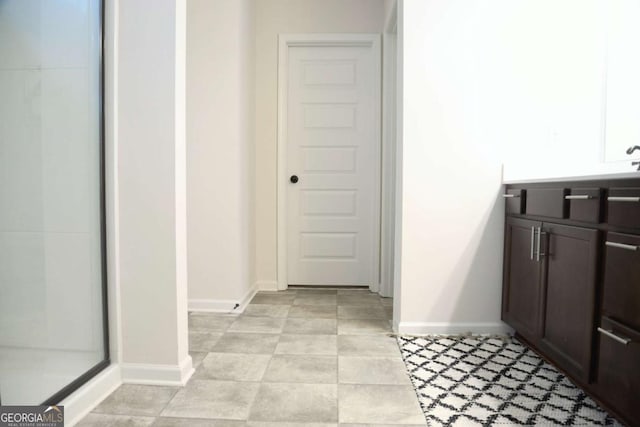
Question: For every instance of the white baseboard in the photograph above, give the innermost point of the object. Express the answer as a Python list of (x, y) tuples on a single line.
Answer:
[(395, 326), (82, 401), (213, 305), (151, 374), (446, 328), (222, 305), (267, 285), (247, 299), (385, 291)]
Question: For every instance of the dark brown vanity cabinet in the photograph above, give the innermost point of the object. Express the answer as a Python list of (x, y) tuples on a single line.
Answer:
[(571, 285), (549, 288)]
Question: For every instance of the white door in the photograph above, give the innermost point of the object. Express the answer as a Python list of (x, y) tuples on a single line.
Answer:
[(333, 148)]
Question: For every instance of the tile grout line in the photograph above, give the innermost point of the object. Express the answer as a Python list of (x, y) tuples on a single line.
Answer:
[(291, 303), (337, 383), (170, 400)]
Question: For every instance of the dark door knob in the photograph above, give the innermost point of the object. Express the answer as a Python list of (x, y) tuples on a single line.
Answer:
[(294, 178)]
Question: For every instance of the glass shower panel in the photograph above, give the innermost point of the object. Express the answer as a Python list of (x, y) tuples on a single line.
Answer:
[(51, 245)]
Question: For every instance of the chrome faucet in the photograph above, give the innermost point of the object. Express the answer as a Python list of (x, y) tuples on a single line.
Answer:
[(630, 151)]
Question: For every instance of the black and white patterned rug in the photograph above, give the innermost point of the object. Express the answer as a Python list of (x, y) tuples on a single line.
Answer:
[(487, 381)]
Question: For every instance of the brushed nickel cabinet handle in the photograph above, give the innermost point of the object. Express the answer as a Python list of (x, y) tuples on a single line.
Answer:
[(533, 239), (623, 199), (621, 246), (614, 337), (578, 197), (538, 253), (510, 196)]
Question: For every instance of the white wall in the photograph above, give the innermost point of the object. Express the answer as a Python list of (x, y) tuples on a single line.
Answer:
[(220, 118), (546, 69), (561, 88), (451, 218), (272, 18), (623, 85), (485, 82), (151, 185), (570, 91)]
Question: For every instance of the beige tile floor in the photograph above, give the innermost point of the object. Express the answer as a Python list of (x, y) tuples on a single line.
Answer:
[(314, 358)]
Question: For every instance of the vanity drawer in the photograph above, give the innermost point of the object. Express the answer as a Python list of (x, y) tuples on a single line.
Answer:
[(548, 202), (623, 207), (621, 286), (585, 204), (515, 201), (618, 372)]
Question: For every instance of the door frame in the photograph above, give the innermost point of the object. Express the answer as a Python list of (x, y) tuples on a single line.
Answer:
[(285, 41), (390, 156)]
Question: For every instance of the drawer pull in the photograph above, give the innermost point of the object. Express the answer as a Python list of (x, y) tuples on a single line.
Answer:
[(510, 196), (614, 337), (623, 199), (621, 246), (578, 197)]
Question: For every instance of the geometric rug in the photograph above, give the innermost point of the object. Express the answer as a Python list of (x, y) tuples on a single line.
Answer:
[(493, 381)]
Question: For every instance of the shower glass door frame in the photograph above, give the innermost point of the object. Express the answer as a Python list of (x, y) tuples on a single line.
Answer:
[(84, 378), (95, 167)]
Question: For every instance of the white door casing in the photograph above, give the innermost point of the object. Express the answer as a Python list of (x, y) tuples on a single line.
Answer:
[(389, 151), (329, 137)]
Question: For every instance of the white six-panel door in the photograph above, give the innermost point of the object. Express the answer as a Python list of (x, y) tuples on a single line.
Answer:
[(333, 147)]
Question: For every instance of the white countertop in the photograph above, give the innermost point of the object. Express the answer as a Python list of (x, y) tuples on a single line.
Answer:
[(586, 177)]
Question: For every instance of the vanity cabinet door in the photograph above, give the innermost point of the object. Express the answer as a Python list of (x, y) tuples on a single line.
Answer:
[(521, 292), (571, 256)]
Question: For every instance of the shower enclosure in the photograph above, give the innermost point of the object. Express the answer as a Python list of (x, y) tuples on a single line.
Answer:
[(53, 334)]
